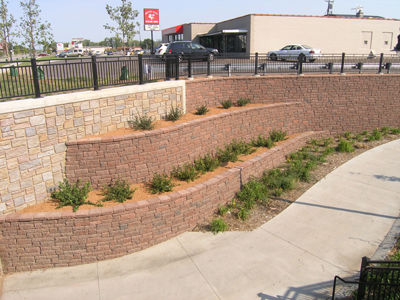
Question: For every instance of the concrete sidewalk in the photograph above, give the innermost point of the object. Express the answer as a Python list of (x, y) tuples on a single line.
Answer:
[(294, 256)]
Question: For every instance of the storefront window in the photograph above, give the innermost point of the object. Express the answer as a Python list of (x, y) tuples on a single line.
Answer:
[(226, 43)]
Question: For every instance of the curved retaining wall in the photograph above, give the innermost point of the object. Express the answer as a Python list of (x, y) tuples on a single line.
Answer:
[(45, 240), (335, 103), (137, 156)]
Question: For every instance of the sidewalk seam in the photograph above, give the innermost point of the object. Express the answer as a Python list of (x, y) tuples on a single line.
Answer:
[(198, 269)]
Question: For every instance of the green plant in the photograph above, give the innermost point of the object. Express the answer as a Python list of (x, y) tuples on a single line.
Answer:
[(359, 137), (240, 147), (226, 104), (252, 192), (344, 146), (376, 135), (206, 164), (277, 135), (385, 131), (187, 172), (226, 155), (394, 130), (118, 191), (261, 141), (161, 183), (222, 210), (218, 225), (174, 114), (73, 195), (201, 110), (141, 123), (243, 214), (347, 135), (301, 169), (365, 132), (243, 102), (278, 181)]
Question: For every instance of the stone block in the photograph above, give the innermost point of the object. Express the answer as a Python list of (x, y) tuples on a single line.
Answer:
[(78, 122), (33, 142), (19, 201), (59, 148), (23, 114), (37, 120)]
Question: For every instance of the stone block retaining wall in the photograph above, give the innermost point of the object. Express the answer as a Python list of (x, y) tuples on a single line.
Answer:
[(137, 156), (34, 132), (45, 240)]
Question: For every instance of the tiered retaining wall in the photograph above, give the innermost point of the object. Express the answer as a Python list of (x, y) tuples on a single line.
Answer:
[(34, 132), (45, 240)]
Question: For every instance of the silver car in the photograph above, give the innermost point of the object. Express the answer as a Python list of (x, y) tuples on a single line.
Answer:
[(295, 52)]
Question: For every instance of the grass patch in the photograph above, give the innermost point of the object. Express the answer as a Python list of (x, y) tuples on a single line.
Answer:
[(277, 135), (345, 146), (261, 141), (206, 164)]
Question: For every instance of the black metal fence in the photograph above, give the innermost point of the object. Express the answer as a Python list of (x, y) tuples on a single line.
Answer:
[(40, 77), (379, 280)]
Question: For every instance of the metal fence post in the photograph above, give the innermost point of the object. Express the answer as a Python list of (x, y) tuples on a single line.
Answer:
[(95, 76), (190, 67), (256, 65), (167, 70), (380, 64), (300, 65), (363, 275), (330, 66), (140, 62), (208, 68), (177, 68), (35, 78), (342, 65), (388, 66)]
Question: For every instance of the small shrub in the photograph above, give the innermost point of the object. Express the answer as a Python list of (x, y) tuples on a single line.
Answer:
[(394, 130), (161, 183), (347, 135), (243, 214), (301, 170), (278, 181), (240, 147), (252, 192), (277, 135), (243, 102), (206, 164), (344, 146), (226, 104), (187, 172), (376, 135), (218, 225), (385, 131), (261, 141), (222, 210), (327, 142), (73, 195), (174, 114), (118, 191), (202, 110), (365, 132), (328, 151), (141, 123), (359, 137), (226, 155)]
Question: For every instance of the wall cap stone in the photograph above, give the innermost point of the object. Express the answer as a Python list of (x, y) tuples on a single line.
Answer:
[(34, 103)]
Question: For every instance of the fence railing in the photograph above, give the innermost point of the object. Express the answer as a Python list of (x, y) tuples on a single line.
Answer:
[(378, 280), (40, 77)]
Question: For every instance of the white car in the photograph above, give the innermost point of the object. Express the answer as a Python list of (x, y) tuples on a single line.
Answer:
[(295, 52), (160, 50)]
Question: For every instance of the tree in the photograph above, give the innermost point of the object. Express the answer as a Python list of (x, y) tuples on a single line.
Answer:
[(6, 22), (146, 44), (33, 30), (124, 16)]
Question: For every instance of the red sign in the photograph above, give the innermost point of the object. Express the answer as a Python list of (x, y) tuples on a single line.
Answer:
[(151, 16)]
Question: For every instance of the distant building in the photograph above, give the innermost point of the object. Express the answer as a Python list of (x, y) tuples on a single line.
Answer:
[(356, 34)]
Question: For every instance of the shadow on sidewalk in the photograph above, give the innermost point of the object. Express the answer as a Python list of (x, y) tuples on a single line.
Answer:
[(320, 291), (338, 208), (387, 178)]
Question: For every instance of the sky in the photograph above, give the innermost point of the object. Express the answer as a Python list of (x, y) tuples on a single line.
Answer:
[(85, 18)]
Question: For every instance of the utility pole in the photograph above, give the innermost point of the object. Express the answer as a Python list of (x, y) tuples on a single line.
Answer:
[(329, 10)]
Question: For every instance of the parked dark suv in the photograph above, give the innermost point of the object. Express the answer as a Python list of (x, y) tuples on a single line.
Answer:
[(186, 49)]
